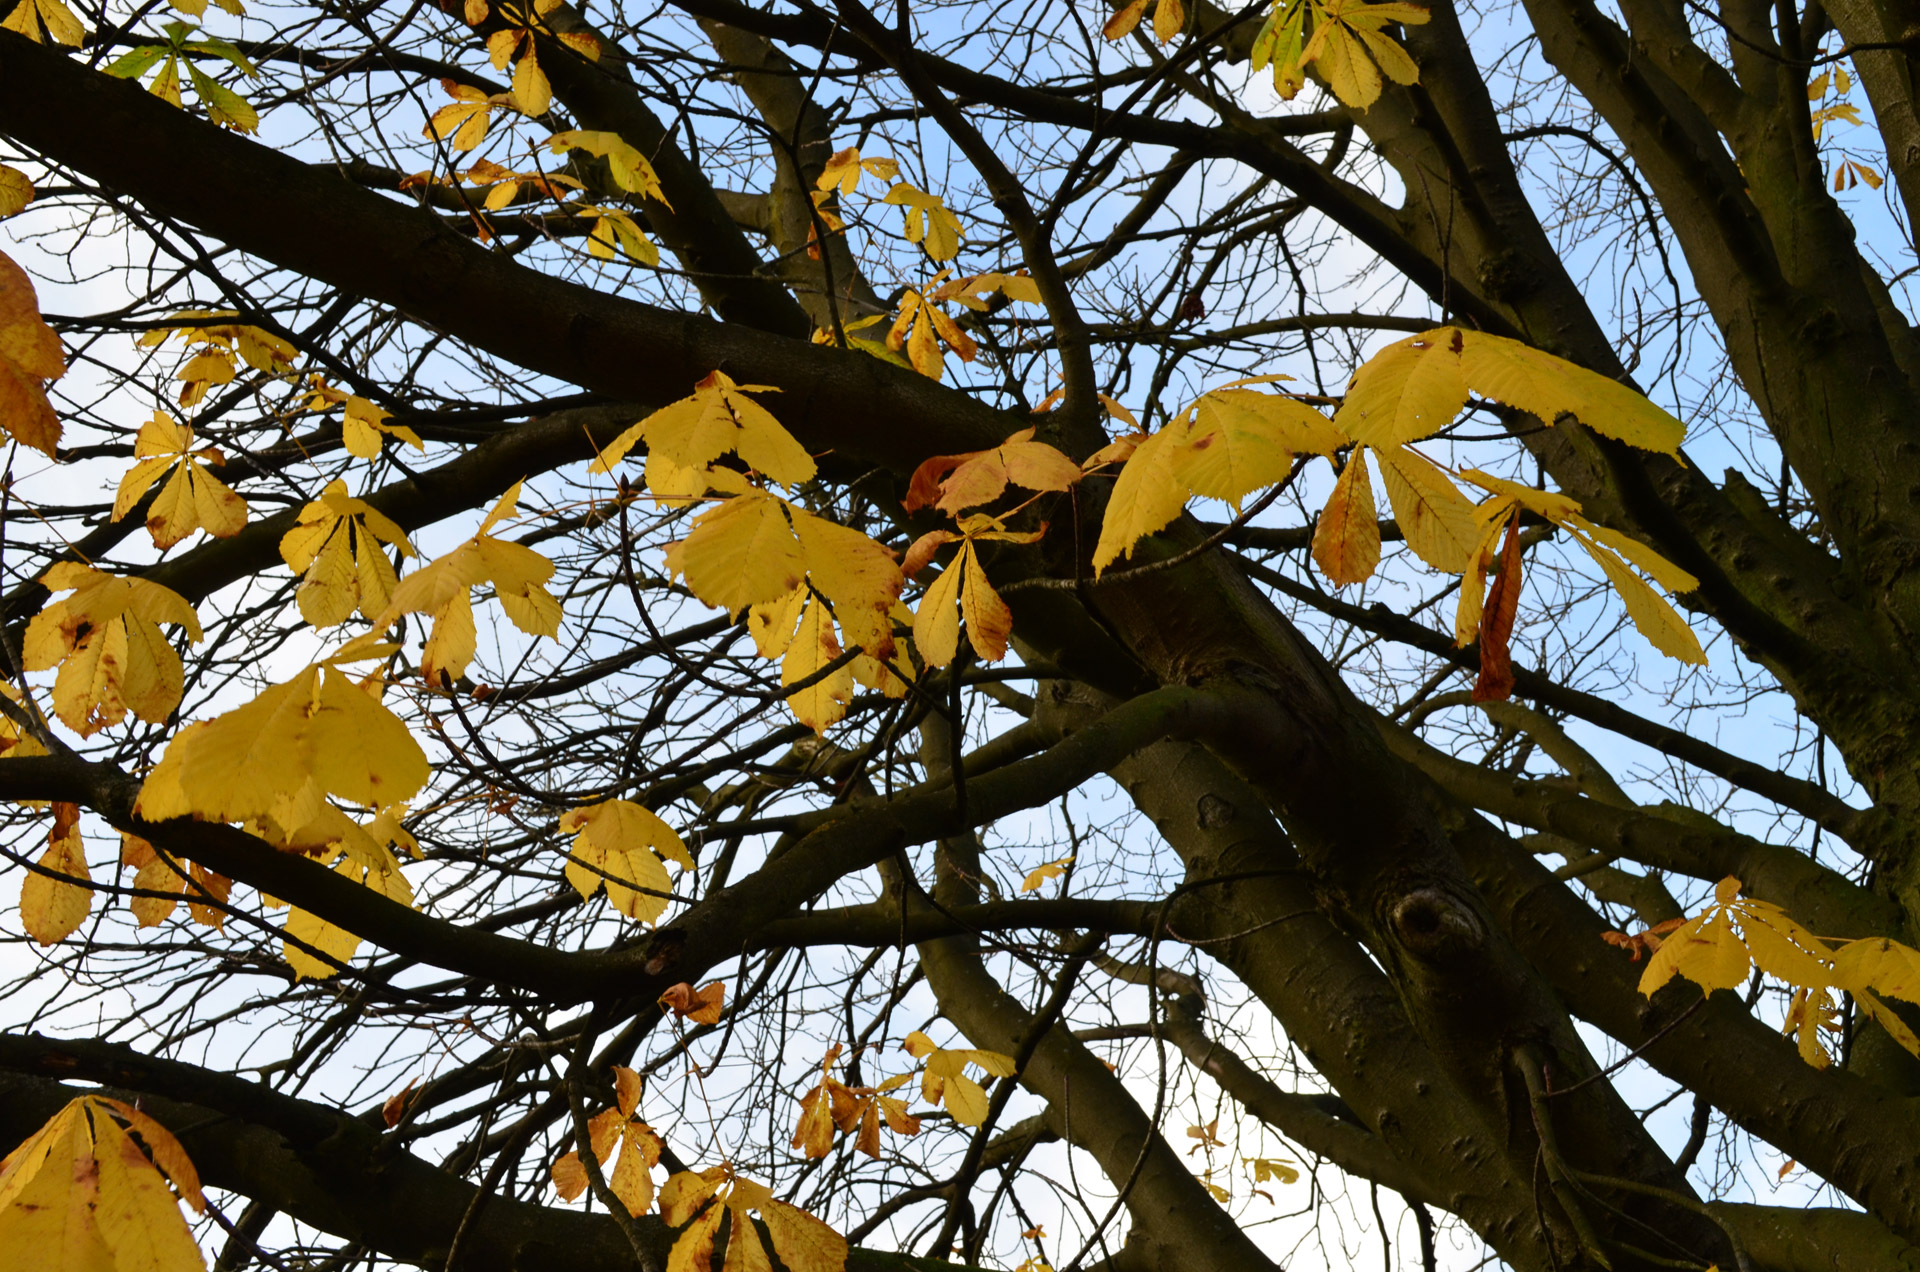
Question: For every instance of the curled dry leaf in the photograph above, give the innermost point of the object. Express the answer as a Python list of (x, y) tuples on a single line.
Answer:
[(954, 483), (702, 1006)]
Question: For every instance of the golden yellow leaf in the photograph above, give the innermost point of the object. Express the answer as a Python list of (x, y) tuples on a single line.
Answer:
[(858, 576), (1346, 543), (741, 552), (336, 547), (621, 844), (1038, 876), (62, 26), (936, 623), (1350, 51), (1492, 518), (1124, 20), (772, 623), (1437, 520), (192, 498), (812, 650), (160, 876), (945, 1080), (630, 169), (381, 873), (1147, 495), (1277, 1169), (516, 572), (1407, 391), (928, 221), (1541, 384), (1240, 440), (1169, 16), (106, 640), (51, 907), (30, 356), (277, 758), (16, 190), (569, 1176), (719, 417), (1878, 964), (1658, 621), (363, 424), (83, 1197), (803, 1243)]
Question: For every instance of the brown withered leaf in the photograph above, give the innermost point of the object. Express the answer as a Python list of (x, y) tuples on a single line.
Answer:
[(1496, 626), (702, 1006)]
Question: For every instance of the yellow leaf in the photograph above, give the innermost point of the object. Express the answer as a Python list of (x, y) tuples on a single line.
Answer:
[(630, 169), (1345, 33), (160, 876), (569, 1176), (928, 221), (621, 844), (857, 575), (1147, 495), (741, 552), (192, 498), (936, 624), (717, 418), (51, 907), (16, 190), (1273, 1168), (814, 648), (1658, 621), (771, 623), (83, 1197), (1346, 543), (1880, 965), (517, 573), (336, 942), (107, 643), (1409, 390), (803, 1243), (30, 355), (1543, 385), (62, 26), (1706, 950), (1169, 16), (1492, 517), (1038, 876), (275, 758), (841, 171), (1642, 557), (1124, 20), (1437, 520), (1241, 440)]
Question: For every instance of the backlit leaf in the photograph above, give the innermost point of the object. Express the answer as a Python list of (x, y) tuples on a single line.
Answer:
[(1346, 543)]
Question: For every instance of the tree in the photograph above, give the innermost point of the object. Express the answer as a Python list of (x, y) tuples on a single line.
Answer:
[(932, 720)]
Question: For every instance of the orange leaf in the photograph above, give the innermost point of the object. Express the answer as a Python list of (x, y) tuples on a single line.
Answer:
[(1496, 627), (702, 1006)]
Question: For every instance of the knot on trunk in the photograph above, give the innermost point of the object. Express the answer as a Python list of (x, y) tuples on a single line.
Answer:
[(1435, 926)]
